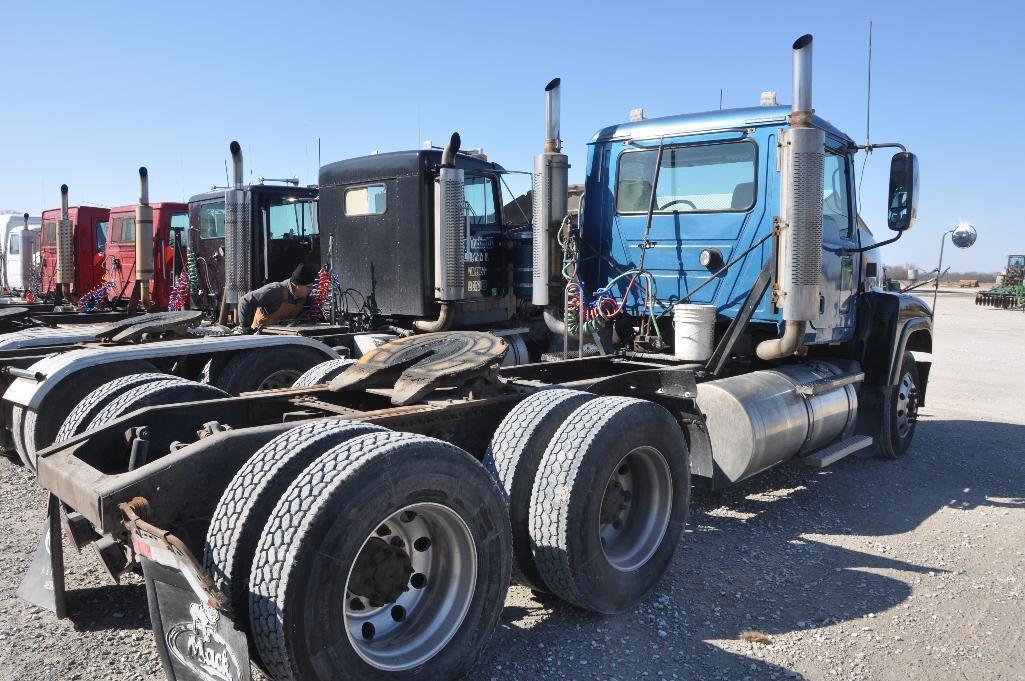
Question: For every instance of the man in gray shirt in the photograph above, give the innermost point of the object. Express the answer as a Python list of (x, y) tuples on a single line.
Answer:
[(277, 301)]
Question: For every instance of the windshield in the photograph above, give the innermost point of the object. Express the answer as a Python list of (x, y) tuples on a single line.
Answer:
[(695, 178)]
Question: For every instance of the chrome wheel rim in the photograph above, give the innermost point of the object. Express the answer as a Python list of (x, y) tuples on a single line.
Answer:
[(907, 405), (437, 576), (280, 379), (635, 508)]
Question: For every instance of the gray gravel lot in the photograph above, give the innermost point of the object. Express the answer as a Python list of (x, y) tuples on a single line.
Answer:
[(869, 569)]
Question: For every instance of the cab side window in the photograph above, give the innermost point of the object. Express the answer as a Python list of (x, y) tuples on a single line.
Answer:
[(836, 214)]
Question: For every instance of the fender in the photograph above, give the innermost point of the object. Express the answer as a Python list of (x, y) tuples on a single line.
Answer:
[(46, 336), (57, 368), (888, 325)]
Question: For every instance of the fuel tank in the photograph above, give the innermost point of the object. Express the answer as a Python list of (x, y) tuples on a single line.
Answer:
[(758, 420)]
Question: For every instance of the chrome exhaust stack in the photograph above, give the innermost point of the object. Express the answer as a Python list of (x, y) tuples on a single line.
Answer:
[(65, 266), (144, 236), (799, 251), (551, 198), (450, 222), (237, 241), (26, 255)]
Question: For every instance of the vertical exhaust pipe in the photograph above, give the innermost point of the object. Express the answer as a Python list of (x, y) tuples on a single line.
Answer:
[(237, 235), (802, 79), (450, 238), (799, 250), (26, 256), (551, 198), (144, 237), (553, 105), (65, 266)]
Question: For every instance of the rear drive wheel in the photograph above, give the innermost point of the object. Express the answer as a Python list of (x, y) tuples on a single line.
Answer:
[(170, 391), (86, 410), (246, 504), (389, 555), (610, 503), (513, 457), (322, 373), (900, 412), (41, 425), (266, 368)]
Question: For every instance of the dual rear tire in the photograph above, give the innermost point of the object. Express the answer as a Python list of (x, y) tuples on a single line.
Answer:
[(371, 554), (609, 490)]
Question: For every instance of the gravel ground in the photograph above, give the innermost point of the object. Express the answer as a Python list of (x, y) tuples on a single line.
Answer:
[(870, 569)]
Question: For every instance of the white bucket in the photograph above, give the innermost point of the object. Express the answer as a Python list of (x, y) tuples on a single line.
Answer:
[(693, 331)]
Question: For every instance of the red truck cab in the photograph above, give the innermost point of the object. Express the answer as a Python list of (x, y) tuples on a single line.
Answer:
[(89, 227), (120, 250)]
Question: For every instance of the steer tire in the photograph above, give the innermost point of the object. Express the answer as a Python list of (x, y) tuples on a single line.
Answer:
[(40, 426), (299, 609), (513, 457), (85, 411), (603, 438), (899, 411), (246, 504), (264, 368), (322, 373)]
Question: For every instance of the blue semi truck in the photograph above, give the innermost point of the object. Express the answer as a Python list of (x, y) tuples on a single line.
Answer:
[(710, 311)]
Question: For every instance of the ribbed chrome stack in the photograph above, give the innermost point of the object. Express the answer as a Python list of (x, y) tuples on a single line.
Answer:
[(65, 267), (452, 242), (237, 249)]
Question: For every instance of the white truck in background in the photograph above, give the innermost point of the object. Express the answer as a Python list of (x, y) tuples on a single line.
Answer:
[(19, 245)]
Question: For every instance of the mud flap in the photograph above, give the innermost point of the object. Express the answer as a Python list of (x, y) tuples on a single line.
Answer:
[(43, 584), (196, 642)]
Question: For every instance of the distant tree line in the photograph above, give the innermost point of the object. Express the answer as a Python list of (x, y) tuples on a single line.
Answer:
[(900, 272)]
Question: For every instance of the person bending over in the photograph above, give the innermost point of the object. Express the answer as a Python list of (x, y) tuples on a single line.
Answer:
[(277, 301)]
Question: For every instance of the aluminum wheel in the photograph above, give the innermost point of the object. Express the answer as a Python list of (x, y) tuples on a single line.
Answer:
[(907, 405), (635, 509), (410, 587)]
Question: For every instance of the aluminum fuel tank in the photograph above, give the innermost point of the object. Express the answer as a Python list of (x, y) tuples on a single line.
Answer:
[(758, 420)]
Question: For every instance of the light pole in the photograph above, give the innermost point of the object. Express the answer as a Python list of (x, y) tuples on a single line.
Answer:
[(963, 235)]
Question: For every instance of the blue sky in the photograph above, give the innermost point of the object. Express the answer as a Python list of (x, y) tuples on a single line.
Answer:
[(93, 90)]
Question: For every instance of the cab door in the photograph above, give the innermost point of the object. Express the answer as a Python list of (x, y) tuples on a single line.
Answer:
[(839, 271), (288, 229)]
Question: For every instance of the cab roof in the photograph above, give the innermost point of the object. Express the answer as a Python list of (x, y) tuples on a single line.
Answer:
[(394, 164), (707, 121)]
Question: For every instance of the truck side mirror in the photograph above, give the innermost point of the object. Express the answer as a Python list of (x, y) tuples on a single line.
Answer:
[(903, 204)]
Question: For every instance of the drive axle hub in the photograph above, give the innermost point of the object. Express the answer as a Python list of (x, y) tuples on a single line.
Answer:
[(381, 573)]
